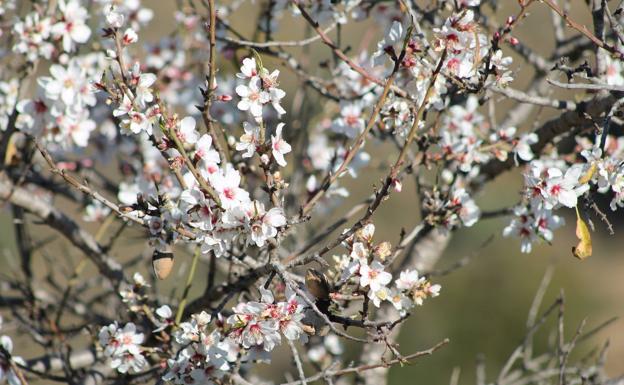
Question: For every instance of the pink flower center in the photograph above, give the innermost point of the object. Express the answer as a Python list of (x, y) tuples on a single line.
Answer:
[(229, 193)]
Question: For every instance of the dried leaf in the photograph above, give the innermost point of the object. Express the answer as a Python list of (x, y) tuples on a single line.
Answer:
[(162, 262), (317, 284), (589, 174), (584, 248)]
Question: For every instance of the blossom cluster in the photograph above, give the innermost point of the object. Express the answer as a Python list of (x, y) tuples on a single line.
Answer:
[(205, 163), (205, 349), (366, 266), (60, 114), (227, 215), (37, 34), (552, 183)]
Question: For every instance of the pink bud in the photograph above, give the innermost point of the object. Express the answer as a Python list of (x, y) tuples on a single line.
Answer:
[(513, 41), (397, 185), (224, 98), (71, 166)]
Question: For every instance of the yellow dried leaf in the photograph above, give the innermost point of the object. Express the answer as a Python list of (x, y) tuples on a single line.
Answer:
[(12, 155), (589, 174), (584, 248)]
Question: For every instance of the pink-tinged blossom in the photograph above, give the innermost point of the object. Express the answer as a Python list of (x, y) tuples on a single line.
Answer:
[(532, 224), (72, 27), (123, 347), (350, 123), (250, 140), (227, 184), (252, 97), (32, 36), (391, 44), (142, 83), (205, 152), (265, 224), (374, 276), (279, 147), (135, 123), (186, 132), (552, 187), (129, 37), (248, 69)]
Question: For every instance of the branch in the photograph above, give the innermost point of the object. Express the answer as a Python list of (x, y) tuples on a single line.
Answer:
[(550, 130), (66, 226)]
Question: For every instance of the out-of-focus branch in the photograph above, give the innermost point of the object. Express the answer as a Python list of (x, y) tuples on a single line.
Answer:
[(66, 226), (49, 364)]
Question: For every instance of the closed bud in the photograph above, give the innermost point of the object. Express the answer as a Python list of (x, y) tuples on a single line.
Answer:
[(162, 262)]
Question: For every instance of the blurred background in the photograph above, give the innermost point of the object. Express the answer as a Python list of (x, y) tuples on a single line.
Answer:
[(483, 306)]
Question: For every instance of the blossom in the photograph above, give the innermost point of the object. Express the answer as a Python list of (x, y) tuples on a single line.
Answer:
[(523, 146), (614, 73), (205, 152), (350, 122), (32, 37), (374, 276), (380, 294), (72, 28), (248, 69), (279, 147), (95, 212), (408, 279), (113, 17), (252, 97), (227, 184), (129, 36), (266, 224), (69, 84), (391, 44), (250, 140), (187, 132), (6, 371), (136, 122), (142, 83), (166, 316), (123, 347)]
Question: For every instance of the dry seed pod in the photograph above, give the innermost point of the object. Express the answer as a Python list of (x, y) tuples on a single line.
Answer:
[(162, 262), (317, 284)]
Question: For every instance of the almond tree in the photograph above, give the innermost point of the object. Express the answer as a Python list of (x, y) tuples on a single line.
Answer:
[(192, 144)]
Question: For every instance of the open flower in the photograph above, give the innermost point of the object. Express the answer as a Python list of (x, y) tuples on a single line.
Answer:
[(252, 97), (72, 28), (374, 276), (279, 147)]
